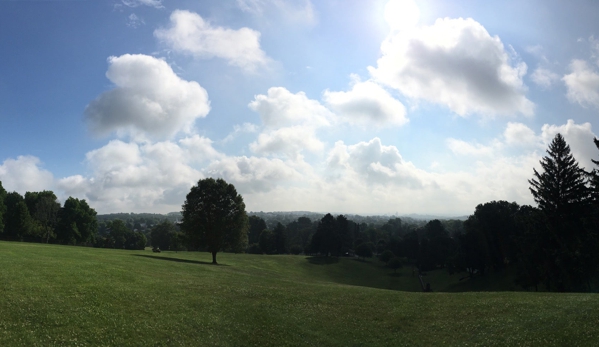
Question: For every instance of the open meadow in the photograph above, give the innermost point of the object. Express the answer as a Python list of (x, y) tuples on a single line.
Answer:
[(74, 296)]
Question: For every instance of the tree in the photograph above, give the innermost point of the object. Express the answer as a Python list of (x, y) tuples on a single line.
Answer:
[(44, 207), (569, 243), (436, 246), (18, 224), (279, 239), (364, 250), (257, 224), (386, 256), (267, 242), (345, 239), (326, 238), (161, 234), (2, 207), (214, 216), (561, 188), (594, 179), (77, 223), (496, 227), (119, 233), (395, 263)]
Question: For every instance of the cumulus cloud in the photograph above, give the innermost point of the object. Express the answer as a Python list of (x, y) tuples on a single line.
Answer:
[(367, 103), (578, 136), (130, 176), (281, 108), (543, 77), (199, 149), (253, 174), (290, 141), (148, 99), (294, 10), (25, 174), (518, 134), (189, 33), (375, 163), (456, 63), (582, 83), (136, 3), (290, 122)]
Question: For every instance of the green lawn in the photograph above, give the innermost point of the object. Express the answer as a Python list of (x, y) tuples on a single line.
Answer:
[(74, 296)]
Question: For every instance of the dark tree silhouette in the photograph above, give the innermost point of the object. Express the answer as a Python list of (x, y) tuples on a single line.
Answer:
[(162, 234), (2, 207), (214, 216), (561, 188), (257, 224), (569, 243), (77, 222)]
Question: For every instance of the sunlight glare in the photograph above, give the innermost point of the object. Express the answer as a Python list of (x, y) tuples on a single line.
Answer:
[(401, 14)]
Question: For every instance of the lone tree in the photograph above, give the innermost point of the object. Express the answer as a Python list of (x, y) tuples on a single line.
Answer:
[(561, 189), (214, 216), (568, 245)]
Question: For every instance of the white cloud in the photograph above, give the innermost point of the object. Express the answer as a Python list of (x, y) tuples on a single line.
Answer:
[(543, 77), (190, 33), (291, 141), (367, 103), (578, 136), (25, 174), (456, 63), (375, 163), (134, 21), (136, 3), (148, 99), (460, 147), (280, 108), (518, 134), (127, 176), (253, 174), (290, 123), (582, 83), (294, 10), (199, 149)]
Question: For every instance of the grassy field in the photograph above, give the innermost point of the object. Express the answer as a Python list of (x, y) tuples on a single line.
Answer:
[(74, 296)]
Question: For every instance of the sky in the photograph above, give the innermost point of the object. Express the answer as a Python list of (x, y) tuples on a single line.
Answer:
[(345, 106)]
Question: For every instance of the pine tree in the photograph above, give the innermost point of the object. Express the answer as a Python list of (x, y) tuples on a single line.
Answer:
[(561, 189), (594, 178), (567, 244)]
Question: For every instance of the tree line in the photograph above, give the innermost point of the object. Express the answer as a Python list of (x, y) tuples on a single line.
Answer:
[(554, 246)]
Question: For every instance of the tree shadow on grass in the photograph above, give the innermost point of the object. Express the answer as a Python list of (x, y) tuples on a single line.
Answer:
[(178, 260), (323, 260)]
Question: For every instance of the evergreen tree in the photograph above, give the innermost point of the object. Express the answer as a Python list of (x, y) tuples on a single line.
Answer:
[(594, 178), (561, 189), (569, 246)]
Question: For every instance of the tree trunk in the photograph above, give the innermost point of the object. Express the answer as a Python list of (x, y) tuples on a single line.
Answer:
[(214, 258)]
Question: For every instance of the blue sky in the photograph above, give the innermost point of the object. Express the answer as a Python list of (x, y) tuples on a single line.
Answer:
[(365, 107)]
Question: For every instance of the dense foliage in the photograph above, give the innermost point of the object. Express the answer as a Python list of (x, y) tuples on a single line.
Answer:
[(214, 217)]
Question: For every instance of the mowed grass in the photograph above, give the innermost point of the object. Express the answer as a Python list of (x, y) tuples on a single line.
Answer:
[(73, 296)]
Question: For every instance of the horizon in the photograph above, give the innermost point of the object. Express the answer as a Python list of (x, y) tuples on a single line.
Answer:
[(426, 107)]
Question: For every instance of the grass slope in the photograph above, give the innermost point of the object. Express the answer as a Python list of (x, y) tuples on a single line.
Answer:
[(74, 296)]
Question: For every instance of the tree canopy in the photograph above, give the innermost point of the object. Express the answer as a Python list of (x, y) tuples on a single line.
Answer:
[(214, 216), (561, 187)]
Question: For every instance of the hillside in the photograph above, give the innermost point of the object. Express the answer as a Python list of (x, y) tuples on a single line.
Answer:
[(75, 296)]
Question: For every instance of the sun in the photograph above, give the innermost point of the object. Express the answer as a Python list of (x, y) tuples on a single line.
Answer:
[(401, 14)]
